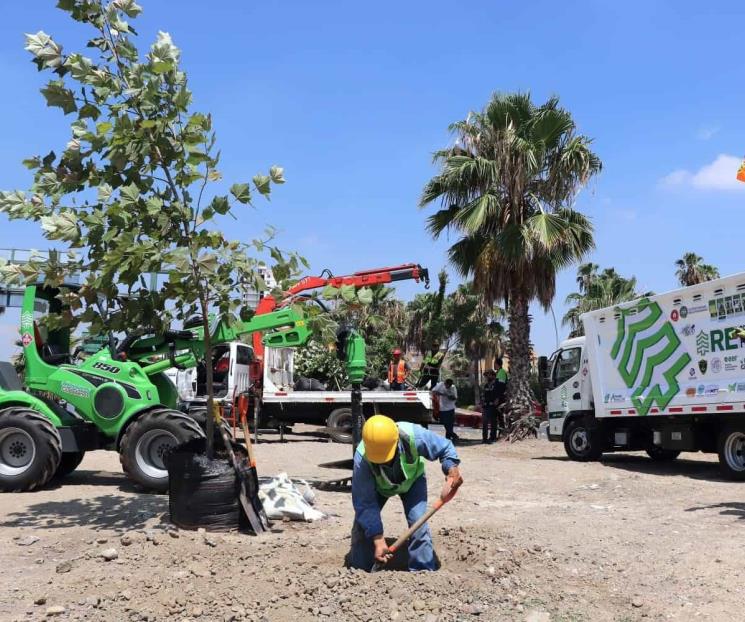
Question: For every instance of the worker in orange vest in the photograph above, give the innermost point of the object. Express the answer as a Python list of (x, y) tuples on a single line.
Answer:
[(398, 369)]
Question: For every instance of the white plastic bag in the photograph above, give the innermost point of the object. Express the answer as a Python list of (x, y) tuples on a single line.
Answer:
[(282, 499)]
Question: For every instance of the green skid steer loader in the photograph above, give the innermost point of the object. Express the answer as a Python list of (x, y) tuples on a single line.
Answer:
[(117, 399)]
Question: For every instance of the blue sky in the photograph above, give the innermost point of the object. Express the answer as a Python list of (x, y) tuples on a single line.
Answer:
[(352, 99)]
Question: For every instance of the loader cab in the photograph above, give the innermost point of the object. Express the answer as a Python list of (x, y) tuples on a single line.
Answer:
[(566, 382), (44, 345)]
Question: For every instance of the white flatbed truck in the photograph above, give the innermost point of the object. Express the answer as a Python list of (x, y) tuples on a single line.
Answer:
[(281, 405), (663, 374)]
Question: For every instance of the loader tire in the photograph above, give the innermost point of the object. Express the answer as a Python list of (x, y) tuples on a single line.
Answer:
[(70, 461), (30, 449), (147, 442), (200, 416)]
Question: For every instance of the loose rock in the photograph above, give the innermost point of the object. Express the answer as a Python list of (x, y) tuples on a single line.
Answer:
[(109, 554), (56, 610), (64, 567)]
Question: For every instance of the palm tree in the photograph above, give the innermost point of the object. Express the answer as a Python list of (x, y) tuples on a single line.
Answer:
[(597, 291), (586, 274), (692, 270), (478, 329), (507, 187), (427, 324)]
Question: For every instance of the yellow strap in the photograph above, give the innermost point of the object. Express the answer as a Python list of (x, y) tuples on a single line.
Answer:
[(216, 412)]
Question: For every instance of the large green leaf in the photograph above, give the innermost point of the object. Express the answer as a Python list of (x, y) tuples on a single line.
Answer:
[(79, 66), (62, 226), (241, 192), (348, 293), (220, 204), (263, 184), (129, 195), (89, 111), (129, 7), (365, 295), (58, 96), (45, 50), (330, 292), (277, 174)]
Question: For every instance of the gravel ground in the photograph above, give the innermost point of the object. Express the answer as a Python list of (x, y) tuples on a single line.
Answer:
[(531, 537)]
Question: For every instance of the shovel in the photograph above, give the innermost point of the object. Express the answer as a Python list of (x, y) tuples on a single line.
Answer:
[(248, 491), (436, 506)]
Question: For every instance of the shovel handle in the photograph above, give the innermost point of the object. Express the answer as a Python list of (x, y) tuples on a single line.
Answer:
[(247, 437), (422, 519), (410, 531)]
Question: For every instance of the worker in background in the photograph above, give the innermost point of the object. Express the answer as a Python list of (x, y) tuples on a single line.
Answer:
[(489, 408), (430, 374), (501, 378), (398, 370), (447, 395), (390, 462)]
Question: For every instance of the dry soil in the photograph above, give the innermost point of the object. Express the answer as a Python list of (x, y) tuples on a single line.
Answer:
[(530, 537)]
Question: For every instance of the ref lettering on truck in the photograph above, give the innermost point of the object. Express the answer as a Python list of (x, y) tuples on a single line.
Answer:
[(662, 374)]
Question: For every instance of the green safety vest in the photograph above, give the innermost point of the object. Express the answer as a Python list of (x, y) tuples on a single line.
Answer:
[(434, 360), (412, 464)]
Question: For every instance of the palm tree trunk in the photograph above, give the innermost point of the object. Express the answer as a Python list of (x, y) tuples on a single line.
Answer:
[(519, 396)]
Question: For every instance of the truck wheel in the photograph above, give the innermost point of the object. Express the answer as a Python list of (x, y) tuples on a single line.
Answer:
[(662, 455), (731, 447), (339, 425), (69, 462), (580, 442), (146, 443), (30, 449)]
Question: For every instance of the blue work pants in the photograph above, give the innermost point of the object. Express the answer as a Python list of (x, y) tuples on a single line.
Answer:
[(421, 551)]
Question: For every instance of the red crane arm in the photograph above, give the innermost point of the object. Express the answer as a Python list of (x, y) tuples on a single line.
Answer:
[(364, 278)]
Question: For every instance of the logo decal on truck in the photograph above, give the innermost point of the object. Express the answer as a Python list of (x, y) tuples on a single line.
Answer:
[(702, 344), (648, 352)]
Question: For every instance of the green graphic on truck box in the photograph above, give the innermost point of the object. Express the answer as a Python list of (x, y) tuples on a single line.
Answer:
[(644, 360)]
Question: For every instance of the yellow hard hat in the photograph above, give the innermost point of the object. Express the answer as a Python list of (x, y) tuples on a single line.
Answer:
[(380, 435)]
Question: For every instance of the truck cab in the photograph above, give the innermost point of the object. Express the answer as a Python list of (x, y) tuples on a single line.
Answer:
[(231, 372), (569, 398), (569, 387)]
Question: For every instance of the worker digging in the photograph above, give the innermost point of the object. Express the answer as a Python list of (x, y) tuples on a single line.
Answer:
[(390, 462)]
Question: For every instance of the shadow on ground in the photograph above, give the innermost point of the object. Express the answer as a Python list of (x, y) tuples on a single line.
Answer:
[(272, 437), (693, 469), (469, 442), (726, 508), (109, 511), (84, 477)]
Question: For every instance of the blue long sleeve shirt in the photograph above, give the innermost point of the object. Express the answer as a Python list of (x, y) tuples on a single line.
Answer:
[(364, 494)]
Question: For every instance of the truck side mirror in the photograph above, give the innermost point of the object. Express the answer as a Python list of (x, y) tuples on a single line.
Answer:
[(543, 371)]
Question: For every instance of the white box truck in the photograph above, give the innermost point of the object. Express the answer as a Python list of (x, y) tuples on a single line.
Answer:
[(662, 374)]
